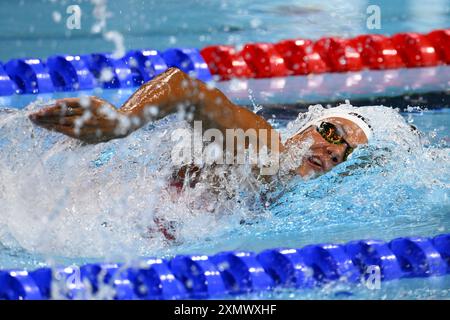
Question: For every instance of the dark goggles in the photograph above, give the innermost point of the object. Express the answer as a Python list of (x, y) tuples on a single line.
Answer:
[(329, 132)]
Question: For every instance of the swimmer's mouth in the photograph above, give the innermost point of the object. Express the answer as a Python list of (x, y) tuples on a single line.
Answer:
[(315, 162)]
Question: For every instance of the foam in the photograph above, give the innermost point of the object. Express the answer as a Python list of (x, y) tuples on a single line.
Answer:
[(58, 197)]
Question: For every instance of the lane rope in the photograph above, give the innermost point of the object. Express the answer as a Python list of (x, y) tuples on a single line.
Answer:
[(223, 62), (233, 273)]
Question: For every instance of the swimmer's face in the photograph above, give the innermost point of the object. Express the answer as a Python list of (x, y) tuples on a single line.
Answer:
[(323, 155)]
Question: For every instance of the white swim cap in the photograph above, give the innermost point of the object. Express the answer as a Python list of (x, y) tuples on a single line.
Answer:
[(352, 116)]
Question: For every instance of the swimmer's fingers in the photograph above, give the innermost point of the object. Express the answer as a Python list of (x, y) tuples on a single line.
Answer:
[(66, 111), (75, 107), (56, 112), (93, 121), (86, 103), (90, 129), (87, 132)]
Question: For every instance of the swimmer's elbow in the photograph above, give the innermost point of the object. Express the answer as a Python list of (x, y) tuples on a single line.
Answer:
[(176, 73)]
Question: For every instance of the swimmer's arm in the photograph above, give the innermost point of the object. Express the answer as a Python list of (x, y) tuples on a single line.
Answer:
[(174, 89), (89, 119), (159, 97)]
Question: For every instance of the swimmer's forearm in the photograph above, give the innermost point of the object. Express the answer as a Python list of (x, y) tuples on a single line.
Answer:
[(163, 92), (174, 88), (152, 101)]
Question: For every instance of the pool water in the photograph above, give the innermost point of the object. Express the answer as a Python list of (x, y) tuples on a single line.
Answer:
[(94, 203), (405, 289), (37, 28)]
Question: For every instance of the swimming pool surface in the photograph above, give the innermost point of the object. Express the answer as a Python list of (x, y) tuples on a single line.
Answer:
[(402, 197), (63, 203), (31, 28)]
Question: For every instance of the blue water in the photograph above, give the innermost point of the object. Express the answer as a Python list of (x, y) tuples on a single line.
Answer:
[(69, 201), (63, 203), (29, 27)]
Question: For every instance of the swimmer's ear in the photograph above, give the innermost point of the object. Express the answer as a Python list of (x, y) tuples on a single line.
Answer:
[(89, 119)]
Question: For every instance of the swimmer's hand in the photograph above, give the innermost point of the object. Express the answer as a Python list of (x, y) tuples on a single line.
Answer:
[(89, 119)]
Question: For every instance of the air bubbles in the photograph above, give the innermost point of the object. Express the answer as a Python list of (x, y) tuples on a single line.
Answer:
[(255, 23), (56, 16), (172, 40), (106, 74)]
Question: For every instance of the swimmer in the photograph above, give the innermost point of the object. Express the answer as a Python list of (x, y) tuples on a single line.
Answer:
[(332, 137)]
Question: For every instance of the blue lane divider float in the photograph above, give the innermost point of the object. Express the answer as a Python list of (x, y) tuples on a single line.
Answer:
[(155, 280), (442, 245), (330, 262), (17, 285), (110, 274), (70, 73), (372, 252), (199, 275), (287, 268), (84, 72), (30, 75), (188, 60), (109, 72), (7, 86), (418, 257), (145, 64), (235, 272), (242, 272)]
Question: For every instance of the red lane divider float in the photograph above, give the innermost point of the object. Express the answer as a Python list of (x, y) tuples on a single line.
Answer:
[(226, 62), (300, 57), (377, 52), (264, 60), (415, 49), (329, 54), (440, 39), (339, 54)]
